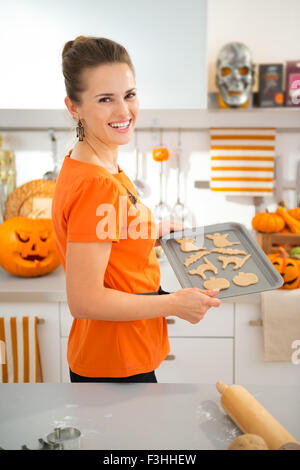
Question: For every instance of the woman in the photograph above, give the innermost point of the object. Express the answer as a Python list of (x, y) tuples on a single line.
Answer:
[(116, 335)]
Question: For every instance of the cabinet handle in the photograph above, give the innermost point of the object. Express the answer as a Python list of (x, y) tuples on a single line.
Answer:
[(170, 357), (170, 321), (255, 323)]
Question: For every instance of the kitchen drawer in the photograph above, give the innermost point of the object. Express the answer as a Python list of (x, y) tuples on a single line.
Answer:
[(66, 319), (198, 360), (218, 321), (65, 376)]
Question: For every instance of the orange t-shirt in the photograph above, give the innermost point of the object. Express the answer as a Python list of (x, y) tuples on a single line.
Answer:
[(92, 205)]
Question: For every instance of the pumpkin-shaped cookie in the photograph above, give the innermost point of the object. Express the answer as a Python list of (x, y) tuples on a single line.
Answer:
[(245, 279), (28, 247), (216, 283)]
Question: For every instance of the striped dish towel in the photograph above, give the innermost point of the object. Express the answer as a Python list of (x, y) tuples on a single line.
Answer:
[(19, 350), (242, 160)]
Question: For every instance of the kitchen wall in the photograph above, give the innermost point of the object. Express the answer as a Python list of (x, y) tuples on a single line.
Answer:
[(272, 35), (32, 39)]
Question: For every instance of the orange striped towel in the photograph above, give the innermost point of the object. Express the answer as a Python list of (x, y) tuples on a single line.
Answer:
[(242, 160), (19, 350)]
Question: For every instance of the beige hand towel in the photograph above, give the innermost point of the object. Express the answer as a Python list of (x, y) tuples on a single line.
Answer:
[(281, 325)]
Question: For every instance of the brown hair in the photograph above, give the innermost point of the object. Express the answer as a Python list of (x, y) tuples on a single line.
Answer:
[(88, 52)]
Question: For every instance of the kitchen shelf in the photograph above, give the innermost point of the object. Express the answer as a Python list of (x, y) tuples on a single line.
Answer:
[(283, 119)]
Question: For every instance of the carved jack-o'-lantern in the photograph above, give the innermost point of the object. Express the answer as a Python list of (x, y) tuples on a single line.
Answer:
[(28, 247), (289, 268)]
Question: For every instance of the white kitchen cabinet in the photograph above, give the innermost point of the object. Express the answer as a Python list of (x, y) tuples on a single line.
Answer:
[(48, 332), (217, 322), (250, 367), (198, 360), (222, 346), (66, 319), (65, 376), (191, 360)]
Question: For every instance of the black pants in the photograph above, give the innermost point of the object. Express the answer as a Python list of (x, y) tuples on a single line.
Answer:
[(148, 377)]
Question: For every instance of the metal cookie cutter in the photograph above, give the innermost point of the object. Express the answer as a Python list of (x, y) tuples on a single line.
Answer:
[(65, 438)]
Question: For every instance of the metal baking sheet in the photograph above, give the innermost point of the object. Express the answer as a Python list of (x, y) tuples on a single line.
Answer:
[(258, 263)]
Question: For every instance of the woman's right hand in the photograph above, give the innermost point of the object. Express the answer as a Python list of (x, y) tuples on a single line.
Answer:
[(191, 304)]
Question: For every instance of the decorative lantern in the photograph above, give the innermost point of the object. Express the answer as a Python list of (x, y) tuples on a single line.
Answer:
[(28, 247)]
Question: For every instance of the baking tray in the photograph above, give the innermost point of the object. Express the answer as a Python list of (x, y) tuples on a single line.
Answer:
[(258, 263)]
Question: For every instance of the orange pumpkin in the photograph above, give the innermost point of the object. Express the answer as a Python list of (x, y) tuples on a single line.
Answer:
[(28, 247), (160, 154), (288, 268), (267, 222)]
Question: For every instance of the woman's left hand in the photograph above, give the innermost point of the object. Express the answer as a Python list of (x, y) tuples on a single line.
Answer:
[(168, 226)]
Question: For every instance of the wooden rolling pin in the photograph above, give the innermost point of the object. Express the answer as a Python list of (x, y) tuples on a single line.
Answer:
[(251, 417)]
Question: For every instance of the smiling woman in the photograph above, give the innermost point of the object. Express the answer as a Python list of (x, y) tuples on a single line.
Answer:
[(115, 335)]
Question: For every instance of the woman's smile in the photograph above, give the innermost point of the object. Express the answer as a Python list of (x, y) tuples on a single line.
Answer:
[(121, 127)]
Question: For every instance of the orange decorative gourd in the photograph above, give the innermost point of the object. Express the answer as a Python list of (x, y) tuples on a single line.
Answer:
[(289, 268), (28, 247), (295, 213), (268, 222), (160, 154), (289, 220)]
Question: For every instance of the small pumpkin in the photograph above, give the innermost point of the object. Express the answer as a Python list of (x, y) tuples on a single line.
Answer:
[(28, 247), (268, 222), (160, 154), (288, 268)]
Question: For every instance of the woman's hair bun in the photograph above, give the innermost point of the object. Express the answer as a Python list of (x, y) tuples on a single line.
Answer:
[(81, 38), (67, 46), (72, 43)]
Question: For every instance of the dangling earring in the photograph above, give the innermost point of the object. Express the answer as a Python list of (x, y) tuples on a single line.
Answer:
[(80, 131)]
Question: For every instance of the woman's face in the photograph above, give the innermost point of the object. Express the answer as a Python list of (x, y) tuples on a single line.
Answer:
[(98, 112)]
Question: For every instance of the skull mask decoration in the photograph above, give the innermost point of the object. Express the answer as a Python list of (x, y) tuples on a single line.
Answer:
[(235, 73)]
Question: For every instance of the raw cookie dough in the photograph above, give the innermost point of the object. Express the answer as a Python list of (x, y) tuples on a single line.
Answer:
[(207, 266), (248, 442), (188, 245), (216, 283), (245, 279), (193, 258), (233, 259), (220, 240), (228, 251)]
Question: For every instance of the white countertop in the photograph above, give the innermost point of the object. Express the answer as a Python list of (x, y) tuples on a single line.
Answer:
[(52, 287), (134, 416)]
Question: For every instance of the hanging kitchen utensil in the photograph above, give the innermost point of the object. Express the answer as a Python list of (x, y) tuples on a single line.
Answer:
[(142, 188), (161, 154), (52, 175), (180, 212)]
